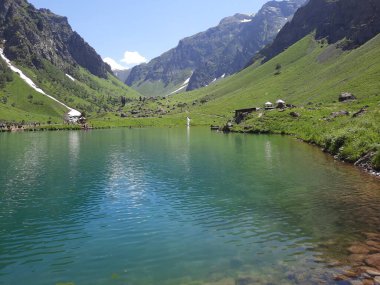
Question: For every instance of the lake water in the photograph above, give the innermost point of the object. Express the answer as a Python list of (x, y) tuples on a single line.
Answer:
[(176, 206)]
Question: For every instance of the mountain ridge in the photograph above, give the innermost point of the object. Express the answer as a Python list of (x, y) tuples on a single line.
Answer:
[(31, 34), (221, 50)]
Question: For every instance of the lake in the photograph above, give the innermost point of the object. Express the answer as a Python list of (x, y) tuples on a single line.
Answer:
[(177, 206)]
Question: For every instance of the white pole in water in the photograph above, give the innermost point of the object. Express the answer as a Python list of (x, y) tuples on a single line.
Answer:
[(188, 122)]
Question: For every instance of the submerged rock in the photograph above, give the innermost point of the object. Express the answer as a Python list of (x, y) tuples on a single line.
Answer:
[(245, 281), (373, 260), (358, 249)]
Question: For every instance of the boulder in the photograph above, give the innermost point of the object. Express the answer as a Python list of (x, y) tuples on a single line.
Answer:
[(339, 114), (359, 113), (346, 97), (368, 282), (295, 114), (358, 249), (373, 260)]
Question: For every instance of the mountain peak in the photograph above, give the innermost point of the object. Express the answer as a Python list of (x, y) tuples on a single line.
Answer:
[(33, 35), (213, 54), (237, 18)]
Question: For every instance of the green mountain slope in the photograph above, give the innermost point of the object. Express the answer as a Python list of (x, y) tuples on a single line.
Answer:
[(202, 59), (45, 48), (312, 76)]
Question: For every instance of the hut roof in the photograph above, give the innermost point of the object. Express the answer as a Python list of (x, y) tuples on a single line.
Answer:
[(280, 102), (74, 113)]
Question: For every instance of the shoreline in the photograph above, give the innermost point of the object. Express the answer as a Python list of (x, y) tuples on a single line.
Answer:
[(364, 163)]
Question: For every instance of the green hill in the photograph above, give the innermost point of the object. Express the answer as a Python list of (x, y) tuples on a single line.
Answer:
[(46, 49)]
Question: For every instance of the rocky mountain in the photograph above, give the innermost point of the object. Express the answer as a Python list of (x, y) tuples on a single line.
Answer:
[(31, 35), (47, 69), (349, 22), (122, 74), (218, 52)]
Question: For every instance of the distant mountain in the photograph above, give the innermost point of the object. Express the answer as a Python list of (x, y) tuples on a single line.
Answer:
[(122, 74), (57, 60), (218, 52)]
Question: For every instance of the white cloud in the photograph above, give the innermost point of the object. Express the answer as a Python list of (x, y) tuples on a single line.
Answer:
[(133, 58), (114, 65)]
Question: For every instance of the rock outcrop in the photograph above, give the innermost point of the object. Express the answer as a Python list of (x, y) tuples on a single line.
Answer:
[(349, 22), (31, 36)]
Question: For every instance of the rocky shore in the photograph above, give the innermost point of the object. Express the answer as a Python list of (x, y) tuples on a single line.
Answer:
[(364, 259)]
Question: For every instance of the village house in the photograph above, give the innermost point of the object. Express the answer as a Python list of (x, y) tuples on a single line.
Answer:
[(241, 114), (268, 106)]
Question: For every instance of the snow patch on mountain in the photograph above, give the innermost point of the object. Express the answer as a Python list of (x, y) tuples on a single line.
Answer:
[(70, 77), (27, 80), (183, 86)]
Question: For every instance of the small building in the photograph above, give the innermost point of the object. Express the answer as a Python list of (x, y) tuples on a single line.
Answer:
[(280, 104), (242, 113), (268, 106), (72, 116)]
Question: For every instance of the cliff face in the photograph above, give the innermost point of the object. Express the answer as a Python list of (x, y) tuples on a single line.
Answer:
[(217, 52), (354, 22), (31, 35)]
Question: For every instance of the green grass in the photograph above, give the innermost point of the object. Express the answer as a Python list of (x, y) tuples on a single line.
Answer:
[(88, 93), (312, 76), (158, 87), (25, 104)]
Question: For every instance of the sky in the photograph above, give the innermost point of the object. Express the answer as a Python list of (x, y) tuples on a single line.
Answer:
[(129, 32)]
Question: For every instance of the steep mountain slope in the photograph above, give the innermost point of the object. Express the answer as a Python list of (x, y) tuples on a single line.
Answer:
[(55, 58), (220, 51), (354, 21), (32, 35)]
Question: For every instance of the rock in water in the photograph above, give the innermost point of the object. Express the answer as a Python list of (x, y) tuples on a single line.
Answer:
[(373, 260), (358, 249)]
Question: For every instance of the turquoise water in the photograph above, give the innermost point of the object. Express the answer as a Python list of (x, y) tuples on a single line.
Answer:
[(176, 206)]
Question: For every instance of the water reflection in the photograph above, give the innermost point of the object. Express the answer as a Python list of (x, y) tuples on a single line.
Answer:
[(169, 207)]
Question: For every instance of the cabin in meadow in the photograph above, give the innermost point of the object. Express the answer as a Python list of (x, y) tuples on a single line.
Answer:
[(242, 113), (268, 106), (72, 116)]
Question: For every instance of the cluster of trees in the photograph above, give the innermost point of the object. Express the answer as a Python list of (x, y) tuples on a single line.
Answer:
[(6, 74)]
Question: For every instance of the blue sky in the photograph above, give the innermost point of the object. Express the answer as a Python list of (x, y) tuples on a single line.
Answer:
[(129, 31)]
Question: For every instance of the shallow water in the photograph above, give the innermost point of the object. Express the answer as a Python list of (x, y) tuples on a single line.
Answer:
[(176, 206)]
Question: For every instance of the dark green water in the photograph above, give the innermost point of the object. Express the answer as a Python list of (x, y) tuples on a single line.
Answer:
[(176, 206)]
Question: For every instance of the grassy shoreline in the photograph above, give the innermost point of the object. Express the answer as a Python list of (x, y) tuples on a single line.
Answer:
[(366, 159)]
